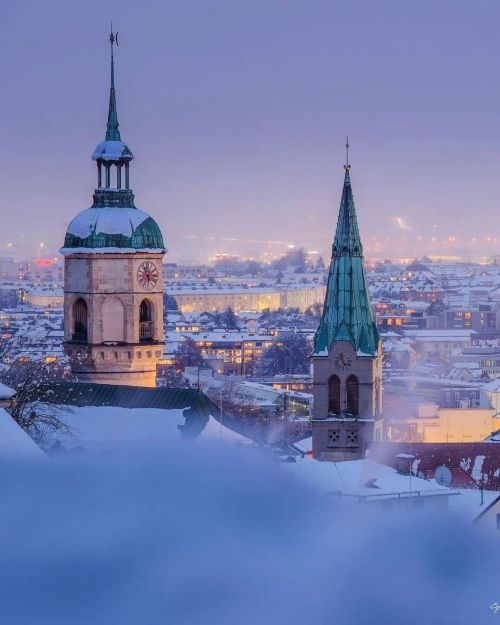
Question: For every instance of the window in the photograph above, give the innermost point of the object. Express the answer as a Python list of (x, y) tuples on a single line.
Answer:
[(352, 391), (80, 320), (352, 438), (333, 438), (334, 395)]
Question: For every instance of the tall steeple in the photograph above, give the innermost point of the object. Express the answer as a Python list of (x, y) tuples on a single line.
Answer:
[(112, 129), (113, 292), (347, 355), (347, 313)]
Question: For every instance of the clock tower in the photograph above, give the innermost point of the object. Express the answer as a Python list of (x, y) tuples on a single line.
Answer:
[(347, 355), (113, 283)]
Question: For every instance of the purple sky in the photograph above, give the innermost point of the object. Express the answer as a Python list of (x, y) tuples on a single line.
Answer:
[(237, 114)]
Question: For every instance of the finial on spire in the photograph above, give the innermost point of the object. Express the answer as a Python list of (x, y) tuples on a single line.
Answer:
[(347, 167), (112, 131), (113, 38)]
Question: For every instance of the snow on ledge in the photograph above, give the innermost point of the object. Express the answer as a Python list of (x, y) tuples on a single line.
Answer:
[(323, 352)]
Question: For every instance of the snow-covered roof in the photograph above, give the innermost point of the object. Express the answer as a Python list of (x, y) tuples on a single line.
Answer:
[(15, 442), (112, 151), (107, 220), (363, 478), (102, 428), (304, 445), (492, 387), (6, 392)]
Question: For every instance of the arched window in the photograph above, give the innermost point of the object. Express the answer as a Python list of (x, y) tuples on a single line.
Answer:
[(334, 395), (80, 320), (352, 392), (146, 330)]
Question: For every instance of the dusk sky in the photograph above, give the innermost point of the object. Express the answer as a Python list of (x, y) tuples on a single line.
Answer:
[(237, 114)]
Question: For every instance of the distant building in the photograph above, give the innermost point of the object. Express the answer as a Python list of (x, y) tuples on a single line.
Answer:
[(438, 345), (9, 269), (46, 298), (216, 298), (450, 425)]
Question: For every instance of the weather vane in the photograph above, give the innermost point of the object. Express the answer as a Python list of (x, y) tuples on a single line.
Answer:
[(113, 37), (347, 166)]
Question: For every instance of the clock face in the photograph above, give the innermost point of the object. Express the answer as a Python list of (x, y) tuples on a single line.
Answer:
[(147, 275), (342, 361)]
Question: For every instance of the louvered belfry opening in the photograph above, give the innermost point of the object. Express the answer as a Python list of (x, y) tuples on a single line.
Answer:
[(334, 395), (352, 393), (145, 320), (81, 319)]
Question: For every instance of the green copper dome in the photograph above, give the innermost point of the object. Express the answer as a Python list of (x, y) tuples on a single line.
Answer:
[(113, 223), (347, 313), (112, 228)]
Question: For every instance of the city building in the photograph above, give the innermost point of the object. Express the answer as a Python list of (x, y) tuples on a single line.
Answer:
[(434, 424), (113, 287), (46, 297), (208, 298), (347, 354)]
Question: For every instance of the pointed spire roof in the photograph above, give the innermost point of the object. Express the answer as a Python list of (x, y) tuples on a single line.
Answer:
[(112, 149), (347, 240), (112, 128), (347, 313)]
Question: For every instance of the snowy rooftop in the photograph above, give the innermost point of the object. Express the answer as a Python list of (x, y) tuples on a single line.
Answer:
[(363, 478), (108, 220), (102, 428), (6, 392), (14, 442), (112, 151)]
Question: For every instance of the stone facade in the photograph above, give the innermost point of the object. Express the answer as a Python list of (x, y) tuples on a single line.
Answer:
[(342, 425), (116, 346)]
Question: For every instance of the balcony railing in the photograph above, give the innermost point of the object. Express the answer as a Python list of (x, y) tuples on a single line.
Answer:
[(145, 330)]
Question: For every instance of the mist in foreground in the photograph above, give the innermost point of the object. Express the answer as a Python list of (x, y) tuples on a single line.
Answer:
[(215, 535)]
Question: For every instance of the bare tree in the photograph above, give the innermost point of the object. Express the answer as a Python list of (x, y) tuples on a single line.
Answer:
[(32, 408), (235, 401)]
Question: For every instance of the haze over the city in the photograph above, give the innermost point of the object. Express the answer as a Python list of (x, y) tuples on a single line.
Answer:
[(237, 115)]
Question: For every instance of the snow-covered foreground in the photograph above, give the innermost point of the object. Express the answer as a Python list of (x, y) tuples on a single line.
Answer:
[(217, 534), (106, 428)]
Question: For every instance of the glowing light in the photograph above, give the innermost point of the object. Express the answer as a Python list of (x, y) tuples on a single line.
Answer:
[(400, 222)]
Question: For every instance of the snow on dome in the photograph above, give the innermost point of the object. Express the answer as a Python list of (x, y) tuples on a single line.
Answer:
[(106, 220), (112, 151), (110, 227)]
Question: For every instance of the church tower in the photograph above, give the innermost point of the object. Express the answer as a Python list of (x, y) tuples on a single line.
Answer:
[(113, 284), (347, 355)]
